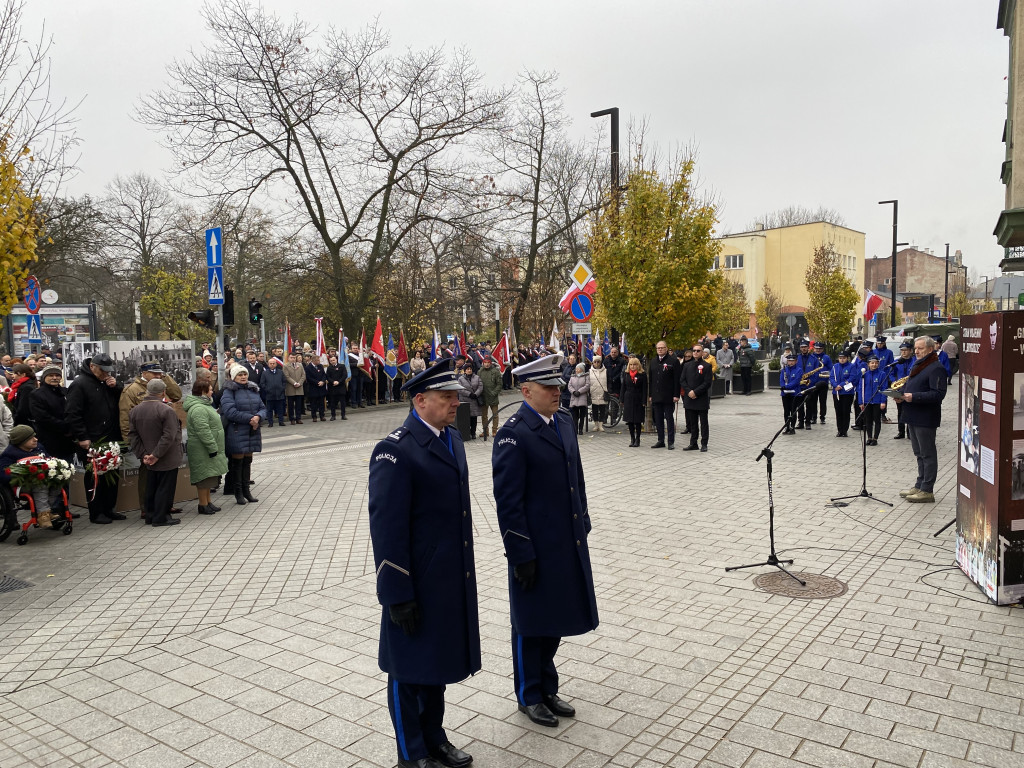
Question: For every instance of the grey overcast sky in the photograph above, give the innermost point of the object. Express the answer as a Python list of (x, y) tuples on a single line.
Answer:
[(788, 102)]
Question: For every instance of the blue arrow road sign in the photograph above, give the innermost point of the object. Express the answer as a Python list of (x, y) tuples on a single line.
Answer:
[(215, 281), (214, 249), (35, 330)]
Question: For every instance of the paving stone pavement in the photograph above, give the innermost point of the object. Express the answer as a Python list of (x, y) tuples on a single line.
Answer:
[(249, 639)]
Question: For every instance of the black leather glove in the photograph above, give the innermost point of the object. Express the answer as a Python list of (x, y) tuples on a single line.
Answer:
[(526, 574), (405, 615)]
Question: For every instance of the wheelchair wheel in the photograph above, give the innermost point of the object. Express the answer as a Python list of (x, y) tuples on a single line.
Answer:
[(22, 540), (614, 411), (67, 528)]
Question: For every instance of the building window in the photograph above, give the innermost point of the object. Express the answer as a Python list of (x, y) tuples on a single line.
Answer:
[(734, 261)]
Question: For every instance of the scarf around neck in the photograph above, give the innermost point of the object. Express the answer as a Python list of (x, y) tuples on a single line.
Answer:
[(923, 363)]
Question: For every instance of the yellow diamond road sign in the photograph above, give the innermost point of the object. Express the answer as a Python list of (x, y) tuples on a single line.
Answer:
[(581, 275)]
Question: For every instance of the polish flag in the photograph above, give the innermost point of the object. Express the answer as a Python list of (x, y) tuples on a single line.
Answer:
[(589, 288), (871, 304)]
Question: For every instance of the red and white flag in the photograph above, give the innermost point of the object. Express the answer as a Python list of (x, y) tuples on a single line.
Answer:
[(589, 288), (321, 344), (364, 358), (871, 304), (287, 338), (500, 353)]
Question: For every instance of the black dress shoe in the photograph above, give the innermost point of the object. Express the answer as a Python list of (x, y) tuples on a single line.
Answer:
[(100, 520), (450, 755), (703, 449), (174, 511), (213, 507), (559, 707), (671, 446), (423, 762), (540, 714), (658, 444), (899, 437), (205, 510), (690, 448), (115, 515), (75, 515), (167, 521)]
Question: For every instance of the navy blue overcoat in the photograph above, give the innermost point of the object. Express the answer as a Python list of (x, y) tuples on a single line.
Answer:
[(238, 404), (422, 533), (542, 514)]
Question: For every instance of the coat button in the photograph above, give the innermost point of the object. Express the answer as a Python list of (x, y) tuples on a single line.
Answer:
[(577, 542), (463, 513), (467, 574), (574, 516), (572, 490), (465, 543)]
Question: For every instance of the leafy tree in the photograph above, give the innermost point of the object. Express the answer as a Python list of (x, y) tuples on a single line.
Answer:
[(833, 299), (654, 259), (733, 309), (988, 306), (168, 297), (767, 310), (19, 229), (959, 305)]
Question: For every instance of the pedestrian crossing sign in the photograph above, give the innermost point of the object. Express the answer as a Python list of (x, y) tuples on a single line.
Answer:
[(215, 280)]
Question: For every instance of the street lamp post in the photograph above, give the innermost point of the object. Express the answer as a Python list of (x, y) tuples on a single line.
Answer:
[(945, 294), (892, 286), (613, 112)]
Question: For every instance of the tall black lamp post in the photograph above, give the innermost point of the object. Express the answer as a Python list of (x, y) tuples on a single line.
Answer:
[(892, 283)]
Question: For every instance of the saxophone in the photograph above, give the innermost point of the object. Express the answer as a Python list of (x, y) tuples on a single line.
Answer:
[(899, 384), (806, 378)]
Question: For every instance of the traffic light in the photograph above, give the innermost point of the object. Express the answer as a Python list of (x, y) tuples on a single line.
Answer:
[(207, 318), (228, 309), (254, 312)]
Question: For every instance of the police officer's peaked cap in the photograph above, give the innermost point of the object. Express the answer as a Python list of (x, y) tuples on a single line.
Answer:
[(880, 339), (907, 344), (818, 345), (804, 343), (439, 376), (872, 357), (543, 370)]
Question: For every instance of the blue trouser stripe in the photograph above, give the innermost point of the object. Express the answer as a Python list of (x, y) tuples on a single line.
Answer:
[(399, 729), (522, 669)]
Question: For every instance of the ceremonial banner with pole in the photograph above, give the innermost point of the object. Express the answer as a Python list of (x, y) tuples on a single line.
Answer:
[(321, 343), (390, 364), (402, 358)]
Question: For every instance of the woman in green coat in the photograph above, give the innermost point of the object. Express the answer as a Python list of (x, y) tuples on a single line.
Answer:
[(206, 458)]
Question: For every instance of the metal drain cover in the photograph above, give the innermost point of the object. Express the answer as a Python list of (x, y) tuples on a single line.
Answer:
[(818, 587), (10, 584)]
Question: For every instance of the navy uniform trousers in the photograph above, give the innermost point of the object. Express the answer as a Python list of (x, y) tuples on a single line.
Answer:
[(417, 712), (533, 663)]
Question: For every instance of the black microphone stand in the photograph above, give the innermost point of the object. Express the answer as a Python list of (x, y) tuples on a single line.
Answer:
[(841, 501), (773, 558)]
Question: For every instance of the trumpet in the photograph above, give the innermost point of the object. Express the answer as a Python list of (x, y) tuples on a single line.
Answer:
[(806, 378)]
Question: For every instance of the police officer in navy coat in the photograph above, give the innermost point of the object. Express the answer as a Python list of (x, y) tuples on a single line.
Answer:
[(422, 534), (542, 514)]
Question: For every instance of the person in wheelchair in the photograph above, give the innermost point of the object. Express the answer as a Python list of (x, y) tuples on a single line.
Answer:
[(48, 502)]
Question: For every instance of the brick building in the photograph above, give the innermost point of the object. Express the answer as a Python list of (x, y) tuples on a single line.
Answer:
[(916, 272)]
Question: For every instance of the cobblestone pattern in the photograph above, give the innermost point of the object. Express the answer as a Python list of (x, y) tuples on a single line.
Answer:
[(249, 639)]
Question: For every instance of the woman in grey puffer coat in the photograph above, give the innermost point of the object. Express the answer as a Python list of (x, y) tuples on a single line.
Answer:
[(242, 408), (471, 392), (579, 392)]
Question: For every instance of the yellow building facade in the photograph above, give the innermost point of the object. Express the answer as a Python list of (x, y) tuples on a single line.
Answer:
[(780, 257)]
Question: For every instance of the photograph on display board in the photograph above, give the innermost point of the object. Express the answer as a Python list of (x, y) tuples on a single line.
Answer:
[(976, 547), (1011, 579), (175, 357), (1017, 470), (74, 354), (970, 437), (1018, 402)]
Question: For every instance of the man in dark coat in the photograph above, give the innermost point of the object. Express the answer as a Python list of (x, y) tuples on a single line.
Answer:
[(615, 364), (922, 397), (93, 414), (542, 513), (155, 436), (663, 377), (422, 535), (696, 380)]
